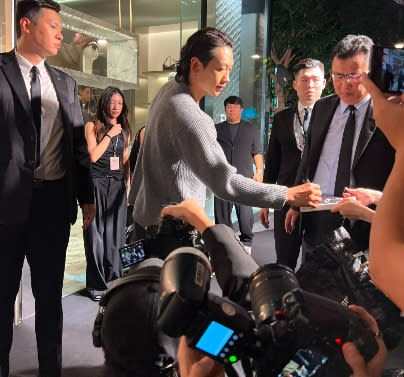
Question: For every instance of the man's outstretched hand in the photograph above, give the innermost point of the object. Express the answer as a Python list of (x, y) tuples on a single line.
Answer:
[(306, 195)]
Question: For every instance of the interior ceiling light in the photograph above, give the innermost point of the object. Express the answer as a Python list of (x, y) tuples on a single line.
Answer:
[(399, 45), (401, 2)]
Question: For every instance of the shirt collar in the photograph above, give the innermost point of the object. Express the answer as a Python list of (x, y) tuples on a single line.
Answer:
[(343, 106), (300, 107), (26, 65)]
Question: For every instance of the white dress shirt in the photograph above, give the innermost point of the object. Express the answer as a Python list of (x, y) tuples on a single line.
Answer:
[(328, 163), (51, 158)]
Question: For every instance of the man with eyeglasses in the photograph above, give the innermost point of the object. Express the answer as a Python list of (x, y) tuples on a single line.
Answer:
[(285, 148), (241, 144), (344, 147)]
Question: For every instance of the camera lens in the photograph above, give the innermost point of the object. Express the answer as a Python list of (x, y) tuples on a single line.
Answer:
[(267, 287)]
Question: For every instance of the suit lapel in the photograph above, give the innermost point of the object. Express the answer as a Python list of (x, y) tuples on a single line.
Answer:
[(290, 129), (367, 130), (60, 87), (62, 92), (13, 75)]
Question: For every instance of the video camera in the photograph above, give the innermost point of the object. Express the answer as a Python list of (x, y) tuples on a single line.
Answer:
[(291, 332), (170, 234)]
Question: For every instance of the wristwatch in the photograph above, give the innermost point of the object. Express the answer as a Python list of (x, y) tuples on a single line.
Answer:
[(260, 171)]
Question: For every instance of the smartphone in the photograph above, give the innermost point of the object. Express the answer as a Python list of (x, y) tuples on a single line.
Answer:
[(305, 363), (132, 253), (387, 69)]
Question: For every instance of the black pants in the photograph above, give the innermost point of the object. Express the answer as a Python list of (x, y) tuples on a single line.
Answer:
[(43, 240), (244, 214), (287, 246), (106, 234)]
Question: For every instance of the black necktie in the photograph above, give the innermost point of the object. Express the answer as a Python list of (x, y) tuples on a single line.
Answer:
[(36, 110), (306, 119), (344, 163)]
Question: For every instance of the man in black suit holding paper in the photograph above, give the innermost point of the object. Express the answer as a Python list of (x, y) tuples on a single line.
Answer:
[(43, 172), (344, 147), (285, 148)]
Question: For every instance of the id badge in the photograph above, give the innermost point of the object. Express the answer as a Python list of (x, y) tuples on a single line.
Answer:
[(114, 163)]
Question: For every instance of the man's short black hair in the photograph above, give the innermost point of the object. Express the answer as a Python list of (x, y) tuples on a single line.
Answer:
[(82, 87), (233, 100), (307, 64), (352, 45), (202, 45), (32, 9)]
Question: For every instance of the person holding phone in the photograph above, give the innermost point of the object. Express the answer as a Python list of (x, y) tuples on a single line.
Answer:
[(108, 145)]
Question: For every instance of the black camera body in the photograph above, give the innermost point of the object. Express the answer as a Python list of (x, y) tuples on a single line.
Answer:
[(287, 320), (159, 241), (170, 234)]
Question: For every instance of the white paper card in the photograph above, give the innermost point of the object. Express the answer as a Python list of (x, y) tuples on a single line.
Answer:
[(114, 163)]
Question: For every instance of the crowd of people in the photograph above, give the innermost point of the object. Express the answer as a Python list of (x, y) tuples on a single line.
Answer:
[(348, 144)]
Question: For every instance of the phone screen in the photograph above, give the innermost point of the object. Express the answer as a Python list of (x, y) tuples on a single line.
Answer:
[(387, 69), (305, 363), (132, 254), (214, 338)]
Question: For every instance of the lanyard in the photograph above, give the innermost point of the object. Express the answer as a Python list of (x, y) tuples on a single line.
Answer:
[(301, 126), (116, 145)]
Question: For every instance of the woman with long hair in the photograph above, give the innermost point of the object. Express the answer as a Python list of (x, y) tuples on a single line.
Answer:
[(108, 138)]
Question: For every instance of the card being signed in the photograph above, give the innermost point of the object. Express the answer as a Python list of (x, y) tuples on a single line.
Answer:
[(325, 204)]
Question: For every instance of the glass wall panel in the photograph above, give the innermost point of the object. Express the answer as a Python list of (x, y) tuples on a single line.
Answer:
[(244, 22), (247, 79), (162, 26), (99, 49)]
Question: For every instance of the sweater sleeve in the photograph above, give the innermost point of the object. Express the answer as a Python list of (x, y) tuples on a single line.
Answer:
[(233, 267), (196, 142)]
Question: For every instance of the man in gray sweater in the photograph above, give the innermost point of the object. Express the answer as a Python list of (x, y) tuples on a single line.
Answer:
[(180, 155)]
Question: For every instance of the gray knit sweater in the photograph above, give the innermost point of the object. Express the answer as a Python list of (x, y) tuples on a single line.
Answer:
[(180, 156)]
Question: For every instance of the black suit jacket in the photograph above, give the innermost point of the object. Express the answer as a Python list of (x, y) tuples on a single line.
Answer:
[(283, 155), (373, 158), (18, 143), (240, 152)]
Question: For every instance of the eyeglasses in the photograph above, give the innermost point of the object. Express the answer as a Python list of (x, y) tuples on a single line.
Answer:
[(352, 77), (233, 106)]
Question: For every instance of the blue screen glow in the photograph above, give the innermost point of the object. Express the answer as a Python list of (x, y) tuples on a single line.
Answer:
[(214, 338)]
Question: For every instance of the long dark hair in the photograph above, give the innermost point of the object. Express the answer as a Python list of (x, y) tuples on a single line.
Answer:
[(103, 115), (202, 45)]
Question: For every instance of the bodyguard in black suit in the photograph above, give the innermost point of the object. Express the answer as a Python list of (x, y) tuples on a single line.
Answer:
[(43, 172), (285, 148), (343, 122), (241, 145)]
